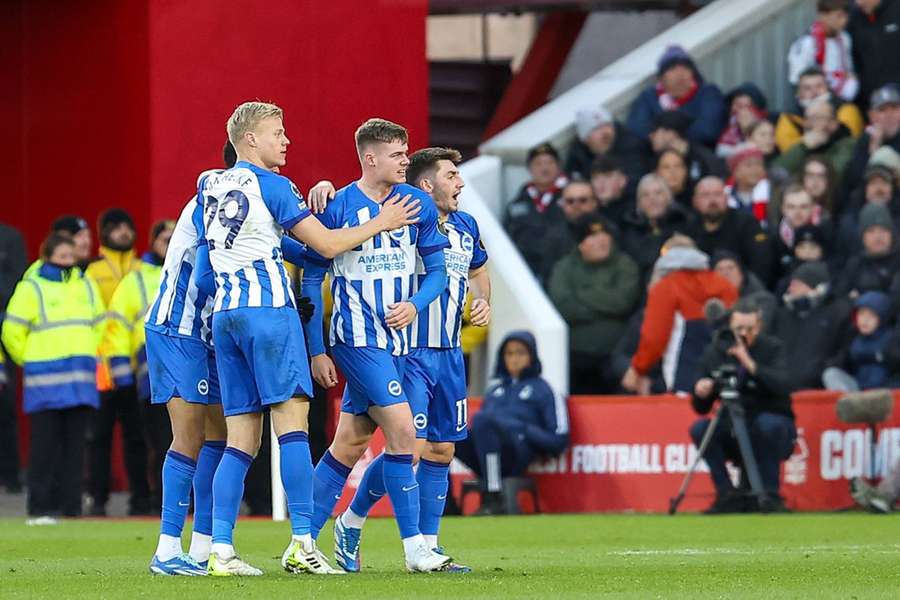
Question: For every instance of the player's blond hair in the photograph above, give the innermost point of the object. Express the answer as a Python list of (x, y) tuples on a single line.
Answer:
[(246, 116)]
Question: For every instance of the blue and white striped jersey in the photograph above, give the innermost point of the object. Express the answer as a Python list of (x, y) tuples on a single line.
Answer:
[(380, 272), (247, 211), (179, 308), (438, 325)]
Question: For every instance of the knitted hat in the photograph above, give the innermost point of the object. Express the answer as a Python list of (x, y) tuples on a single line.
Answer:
[(69, 224), (113, 217), (813, 273), (720, 255), (674, 55), (879, 171), (886, 157), (875, 215), (590, 118), (810, 233), (877, 302), (742, 153), (545, 148)]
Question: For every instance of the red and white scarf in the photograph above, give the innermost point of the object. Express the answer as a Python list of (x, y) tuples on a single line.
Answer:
[(542, 200), (669, 102)]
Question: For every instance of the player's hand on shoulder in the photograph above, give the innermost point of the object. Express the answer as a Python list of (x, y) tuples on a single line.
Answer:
[(323, 371), (398, 211), (480, 313), (319, 195), (400, 315)]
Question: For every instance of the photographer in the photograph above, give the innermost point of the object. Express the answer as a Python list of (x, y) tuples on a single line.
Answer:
[(753, 362)]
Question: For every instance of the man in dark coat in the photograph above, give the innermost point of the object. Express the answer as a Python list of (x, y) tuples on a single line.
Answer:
[(874, 27)]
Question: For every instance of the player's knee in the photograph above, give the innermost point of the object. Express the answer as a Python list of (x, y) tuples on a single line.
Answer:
[(401, 439), (187, 441), (441, 452)]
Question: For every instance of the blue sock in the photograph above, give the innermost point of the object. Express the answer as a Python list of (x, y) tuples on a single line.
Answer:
[(403, 491), (328, 483), (433, 478), (297, 478), (370, 489), (207, 462), (177, 473), (228, 489)]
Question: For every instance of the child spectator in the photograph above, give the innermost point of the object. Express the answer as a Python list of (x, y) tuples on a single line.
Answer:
[(747, 106), (827, 46), (872, 359)]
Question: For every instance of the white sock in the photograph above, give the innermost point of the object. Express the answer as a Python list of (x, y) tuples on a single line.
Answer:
[(410, 544), (223, 551), (200, 546), (305, 540), (431, 540), (168, 547), (351, 519)]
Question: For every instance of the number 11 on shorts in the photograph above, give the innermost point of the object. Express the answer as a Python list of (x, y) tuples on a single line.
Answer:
[(462, 414)]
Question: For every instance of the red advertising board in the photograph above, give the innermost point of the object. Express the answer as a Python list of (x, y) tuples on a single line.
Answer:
[(630, 453)]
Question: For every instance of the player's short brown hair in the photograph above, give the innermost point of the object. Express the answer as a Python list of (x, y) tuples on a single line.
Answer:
[(380, 131), (424, 163)]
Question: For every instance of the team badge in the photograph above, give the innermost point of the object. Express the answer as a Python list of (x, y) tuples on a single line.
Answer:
[(420, 421), (394, 388), (203, 387)]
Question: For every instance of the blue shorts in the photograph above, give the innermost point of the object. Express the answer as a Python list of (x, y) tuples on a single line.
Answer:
[(261, 358), (435, 382), (373, 375), (181, 367)]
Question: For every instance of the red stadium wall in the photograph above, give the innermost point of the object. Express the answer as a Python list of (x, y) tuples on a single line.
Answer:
[(124, 102)]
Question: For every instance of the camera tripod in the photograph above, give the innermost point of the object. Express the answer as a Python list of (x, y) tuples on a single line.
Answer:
[(730, 401)]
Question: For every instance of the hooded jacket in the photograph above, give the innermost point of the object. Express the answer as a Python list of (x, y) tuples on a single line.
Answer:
[(595, 299), (872, 359), (527, 405), (675, 330)]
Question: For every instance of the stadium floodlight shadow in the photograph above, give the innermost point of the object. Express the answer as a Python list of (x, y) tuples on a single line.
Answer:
[(730, 400)]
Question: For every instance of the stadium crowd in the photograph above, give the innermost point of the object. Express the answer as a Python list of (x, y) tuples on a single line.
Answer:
[(696, 195)]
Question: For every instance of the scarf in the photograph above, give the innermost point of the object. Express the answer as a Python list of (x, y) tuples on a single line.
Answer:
[(836, 78), (542, 201), (668, 102), (787, 232)]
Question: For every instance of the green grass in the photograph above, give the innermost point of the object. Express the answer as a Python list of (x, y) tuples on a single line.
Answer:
[(778, 556)]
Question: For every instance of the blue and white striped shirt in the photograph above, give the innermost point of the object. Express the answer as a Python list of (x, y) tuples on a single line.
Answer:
[(247, 211), (438, 326)]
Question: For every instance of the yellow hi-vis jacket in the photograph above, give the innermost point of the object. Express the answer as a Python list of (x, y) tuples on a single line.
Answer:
[(124, 340), (53, 328), (107, 271)]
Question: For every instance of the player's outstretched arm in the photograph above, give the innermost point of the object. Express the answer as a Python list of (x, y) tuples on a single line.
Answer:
[(395, 213), (480, 284)]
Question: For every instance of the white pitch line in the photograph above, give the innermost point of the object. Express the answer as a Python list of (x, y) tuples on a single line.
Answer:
[(881, 549)]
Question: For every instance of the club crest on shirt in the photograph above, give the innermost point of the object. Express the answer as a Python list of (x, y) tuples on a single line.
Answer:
[(467, 242), (526, 392)]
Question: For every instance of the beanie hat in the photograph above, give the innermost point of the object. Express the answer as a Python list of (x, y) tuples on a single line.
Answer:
[(875, 215), (113, 217), (69, 224), (590, 118), (811, 233), (720, 255), (742, 153), (886, 157), (877, 302), (674, 55), (813, 273)]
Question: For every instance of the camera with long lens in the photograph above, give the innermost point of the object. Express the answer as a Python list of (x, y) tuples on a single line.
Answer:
[(726, 378)]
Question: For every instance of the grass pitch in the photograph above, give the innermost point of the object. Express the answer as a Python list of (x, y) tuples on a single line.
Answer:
[(688, 556)]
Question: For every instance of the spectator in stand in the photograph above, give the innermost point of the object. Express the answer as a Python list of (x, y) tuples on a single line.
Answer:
[(680, 88), (748, 285), (827, 46), (577, 201), (723, 228), (797, 210), (52, 328), (821, 181), (675, 331), (810, 245), (884, 130), (595, 289), (879, 187), (612, 187), (12, 264), (824, 135), (655, 219), (877, 266), (670, 133), (80, 231), (762, 135), (812, 87), (747, 105), (599, 135), (812, 324), (871, 359), (521, 418), (749, 188), (672, 168), (535, 212), (117, 259), (765, 387), (873, 27)]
